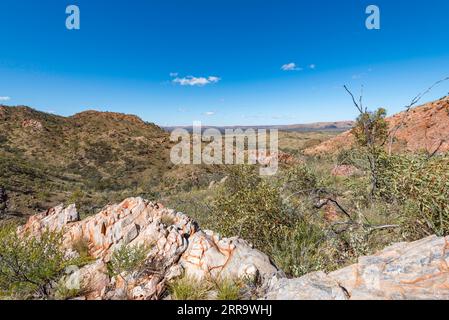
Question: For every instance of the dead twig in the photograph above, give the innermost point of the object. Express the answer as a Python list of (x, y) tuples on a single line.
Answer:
[(326, 202)]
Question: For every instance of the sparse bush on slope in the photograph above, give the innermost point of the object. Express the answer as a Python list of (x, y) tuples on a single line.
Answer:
[(421, 185), (252, 208), (29, 264)]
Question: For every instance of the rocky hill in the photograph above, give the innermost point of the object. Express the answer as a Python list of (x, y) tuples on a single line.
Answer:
[(96, 158), (179, 247), (424, 128), (45, 158)]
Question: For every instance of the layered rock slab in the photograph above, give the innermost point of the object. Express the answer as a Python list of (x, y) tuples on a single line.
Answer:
[(178, 246), (403, 271)]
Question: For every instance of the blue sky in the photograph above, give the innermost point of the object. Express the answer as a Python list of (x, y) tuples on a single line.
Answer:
[(144, 57)]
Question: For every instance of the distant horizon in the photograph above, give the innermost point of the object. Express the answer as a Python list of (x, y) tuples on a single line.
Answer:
[(223, 62), (205, 124), (173, 126)]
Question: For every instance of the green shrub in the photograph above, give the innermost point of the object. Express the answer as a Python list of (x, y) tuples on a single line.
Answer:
[(299, 251), (421, 184), (299, 178), (28, 264), (371, 128), (353, 157), (251, 208), (187, 288), (127, 259), (62, 292), (228, 290)]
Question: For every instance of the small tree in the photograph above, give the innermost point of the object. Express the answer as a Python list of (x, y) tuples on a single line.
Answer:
[(371, 132)]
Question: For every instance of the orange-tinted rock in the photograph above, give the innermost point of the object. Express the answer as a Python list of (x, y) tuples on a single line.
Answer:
[(181, 245), (35, 125), (424, 128)]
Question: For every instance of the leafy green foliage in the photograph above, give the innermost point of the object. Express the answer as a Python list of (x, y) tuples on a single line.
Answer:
[(421, 184), (187, 288), (228, 290), (251, 208), (127, 259), (103, 154), (300, 250), (371, 132), (62, 292), (29, 264), (371, 128)]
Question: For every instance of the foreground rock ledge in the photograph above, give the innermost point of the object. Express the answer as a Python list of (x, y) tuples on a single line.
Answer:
[(418, 270), (411, 271), (178, 245)]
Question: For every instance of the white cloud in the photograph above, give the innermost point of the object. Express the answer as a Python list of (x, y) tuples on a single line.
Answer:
[(312, 66), (174, 74), (291, 67), (196, 81), (209, 113), (5, 98)]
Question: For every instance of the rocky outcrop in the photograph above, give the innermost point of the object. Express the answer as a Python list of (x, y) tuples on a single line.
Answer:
[(424, 128), (34, 125), (177, 246), (418, 270)]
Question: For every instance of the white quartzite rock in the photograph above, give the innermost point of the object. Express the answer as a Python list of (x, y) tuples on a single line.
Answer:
[(177, 248), (417, 270)]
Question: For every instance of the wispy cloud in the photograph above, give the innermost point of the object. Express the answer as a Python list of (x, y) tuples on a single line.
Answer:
[(312, 66), (291, 67), (5, 98), (209, 113), (196, 81), (173, 74)]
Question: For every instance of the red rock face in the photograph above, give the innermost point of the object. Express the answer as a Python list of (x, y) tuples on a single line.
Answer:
[(33, 124), (424, 128)]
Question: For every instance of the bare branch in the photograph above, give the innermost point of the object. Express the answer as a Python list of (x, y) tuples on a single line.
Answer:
[(437, 149), (388, 226), (319, 206), (356, 104)]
